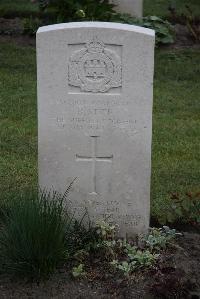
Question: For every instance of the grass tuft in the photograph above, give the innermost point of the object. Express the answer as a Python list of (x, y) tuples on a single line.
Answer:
[(32, 235)]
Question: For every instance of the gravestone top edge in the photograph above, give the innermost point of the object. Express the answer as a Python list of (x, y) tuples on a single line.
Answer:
[(104, 25)]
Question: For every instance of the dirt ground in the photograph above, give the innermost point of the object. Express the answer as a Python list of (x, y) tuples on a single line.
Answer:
[(176, 275)]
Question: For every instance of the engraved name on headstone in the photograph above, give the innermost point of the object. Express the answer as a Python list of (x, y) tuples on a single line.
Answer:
[(95, 119)]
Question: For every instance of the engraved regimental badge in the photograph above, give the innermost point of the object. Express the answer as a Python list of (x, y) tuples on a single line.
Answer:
[(95, 68)]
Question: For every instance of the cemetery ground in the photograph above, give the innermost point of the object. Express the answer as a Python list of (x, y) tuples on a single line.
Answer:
[(175, 188), (175, 173)]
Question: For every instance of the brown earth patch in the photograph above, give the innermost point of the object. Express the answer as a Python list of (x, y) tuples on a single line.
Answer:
[(176, 275)]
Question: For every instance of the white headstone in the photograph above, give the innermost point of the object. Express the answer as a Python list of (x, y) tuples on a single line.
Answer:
[(95, 90), (132, 7)]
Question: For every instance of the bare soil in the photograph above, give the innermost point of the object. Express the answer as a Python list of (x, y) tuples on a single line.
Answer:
[(183, 38), (11, 26), (176, 275), (19, 40)]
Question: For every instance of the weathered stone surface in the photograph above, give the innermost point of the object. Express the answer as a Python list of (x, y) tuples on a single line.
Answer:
[(132, 7), (95, 118)]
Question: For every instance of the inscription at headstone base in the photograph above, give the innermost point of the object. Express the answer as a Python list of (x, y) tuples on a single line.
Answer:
[(95, 83)]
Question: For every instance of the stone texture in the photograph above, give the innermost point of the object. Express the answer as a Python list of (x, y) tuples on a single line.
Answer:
[(132, 7), (95, 83)]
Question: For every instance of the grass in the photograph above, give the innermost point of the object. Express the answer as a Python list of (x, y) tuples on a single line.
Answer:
[(160, 7), (18, 125), (176, 126), (176, 139), (32, 243), (17, 7)]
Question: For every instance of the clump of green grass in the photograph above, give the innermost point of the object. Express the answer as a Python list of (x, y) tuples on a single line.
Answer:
[(32, 235), (38, 235)]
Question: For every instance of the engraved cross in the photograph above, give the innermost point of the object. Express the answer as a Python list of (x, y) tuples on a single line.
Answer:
[(94, 158)]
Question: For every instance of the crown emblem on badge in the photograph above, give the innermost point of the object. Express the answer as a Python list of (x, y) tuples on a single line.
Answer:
[(95, 68), (95, 46)]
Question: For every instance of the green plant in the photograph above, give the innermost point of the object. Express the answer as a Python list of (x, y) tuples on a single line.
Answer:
[(31, 25), (81, 238), (141, 258), (130, 258), (159, 238), (106, 231), (78, 271), (75, 10), (125, 267), (32, 235), (105, 241), (163, 29), (135, 259), (185, 207)]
